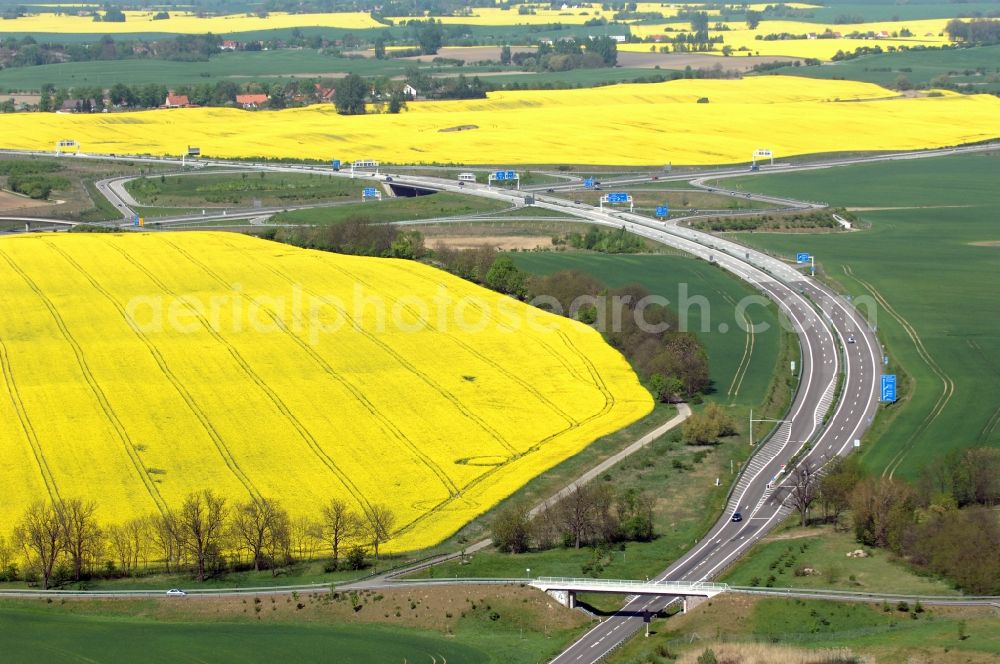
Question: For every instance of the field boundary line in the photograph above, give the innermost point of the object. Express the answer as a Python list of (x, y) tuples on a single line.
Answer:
[(95, 388), (25, 422), (264, 387), (220, 443), (528, 387), (741, 371), (948, 385), (319, 360)]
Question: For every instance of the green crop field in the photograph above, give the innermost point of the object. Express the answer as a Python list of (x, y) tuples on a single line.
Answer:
[(241, 189), (978, 67), (393, 209), (892, 10), (933, 263), (781, 561), (238, 67), (741, 367), (38, 634), (268, 65)]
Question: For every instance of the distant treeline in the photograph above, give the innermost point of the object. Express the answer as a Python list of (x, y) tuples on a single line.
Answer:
[(977, 31)]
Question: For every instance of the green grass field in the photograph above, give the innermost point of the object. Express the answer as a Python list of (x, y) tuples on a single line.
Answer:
[(232, 189), (240, 67), (254, 66), (38, 634), (879, 633), (825, 552), (393, 209), (935, 263), (979, 67), (741, 367)]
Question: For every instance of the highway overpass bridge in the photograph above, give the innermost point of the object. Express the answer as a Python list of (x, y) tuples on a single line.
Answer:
[(565, 588)]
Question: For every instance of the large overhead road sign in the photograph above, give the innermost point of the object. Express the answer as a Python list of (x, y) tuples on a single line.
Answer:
[(504, 176)]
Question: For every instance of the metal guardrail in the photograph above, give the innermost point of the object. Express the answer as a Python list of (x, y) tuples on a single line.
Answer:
[(630, 583), (820, 593)]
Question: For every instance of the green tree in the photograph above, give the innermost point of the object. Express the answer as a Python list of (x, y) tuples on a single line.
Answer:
[(836, 486), (380, 49), (407, 245), (607, 48), (510, 529), (45, 101), (430, 37), (397, 101), (505, 277), (350, 95), (665, 389), (753, 19), (505, 55)]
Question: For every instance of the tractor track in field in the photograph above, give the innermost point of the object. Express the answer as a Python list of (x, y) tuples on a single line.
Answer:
[(192, 403), (318, 359), (95, 388), (948, 385), (26, 426), (264, 387), (525, 385)]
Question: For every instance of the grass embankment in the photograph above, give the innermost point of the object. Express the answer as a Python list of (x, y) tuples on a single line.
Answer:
[(779, 631), (475, 624), (680, 202), (783, 560), (226, 190), (929, 266), (393, 209)]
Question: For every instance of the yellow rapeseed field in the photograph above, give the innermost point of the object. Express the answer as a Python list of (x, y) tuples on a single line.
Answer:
[(187, 23), (622, 124), (140, 367), (929, 32)]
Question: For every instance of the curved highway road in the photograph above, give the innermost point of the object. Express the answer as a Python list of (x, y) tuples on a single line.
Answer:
[(821, 424)]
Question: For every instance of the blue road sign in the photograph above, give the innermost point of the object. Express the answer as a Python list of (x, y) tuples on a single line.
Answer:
[(135, 220), (511, 175), (618, 197), (662, 210), (802, 257), (500, 175), (335, 164), (589, 183), (888, 387), (369, 192)]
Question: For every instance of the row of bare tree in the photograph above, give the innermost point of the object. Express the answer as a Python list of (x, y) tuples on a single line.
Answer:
[(65, 539)]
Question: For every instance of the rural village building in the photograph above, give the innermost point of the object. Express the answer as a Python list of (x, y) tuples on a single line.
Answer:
[(176, 101), (251, 101)]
